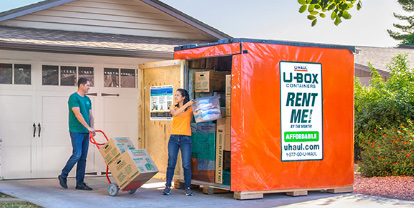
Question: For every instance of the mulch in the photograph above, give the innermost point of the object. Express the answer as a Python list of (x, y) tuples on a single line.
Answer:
[(395, 187)]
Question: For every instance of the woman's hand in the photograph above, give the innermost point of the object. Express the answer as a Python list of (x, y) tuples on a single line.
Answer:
[(191, 102)]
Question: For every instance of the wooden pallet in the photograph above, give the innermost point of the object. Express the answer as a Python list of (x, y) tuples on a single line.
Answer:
[(290, 192), (208, 188), (213, 188)]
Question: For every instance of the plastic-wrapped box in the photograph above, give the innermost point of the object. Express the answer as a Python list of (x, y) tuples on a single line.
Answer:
[(206, 109)]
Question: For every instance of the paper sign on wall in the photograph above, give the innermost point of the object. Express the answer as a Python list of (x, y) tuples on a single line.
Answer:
[(161, 99), (301, 111)]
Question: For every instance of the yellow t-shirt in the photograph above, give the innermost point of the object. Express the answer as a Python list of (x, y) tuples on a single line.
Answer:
[(181, 123)]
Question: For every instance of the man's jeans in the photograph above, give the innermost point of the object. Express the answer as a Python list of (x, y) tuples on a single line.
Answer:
[(80, 145), (182, 142)]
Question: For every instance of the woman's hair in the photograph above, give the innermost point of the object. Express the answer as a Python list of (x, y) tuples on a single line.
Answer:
[(186, 96)]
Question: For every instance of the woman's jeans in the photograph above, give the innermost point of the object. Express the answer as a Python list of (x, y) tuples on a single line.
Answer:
[(182, 142), (80, 145)]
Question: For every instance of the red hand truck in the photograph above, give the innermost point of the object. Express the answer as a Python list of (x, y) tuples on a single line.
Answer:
[(113, 189)]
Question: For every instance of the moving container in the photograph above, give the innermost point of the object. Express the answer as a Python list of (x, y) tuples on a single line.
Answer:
[(291, 115)]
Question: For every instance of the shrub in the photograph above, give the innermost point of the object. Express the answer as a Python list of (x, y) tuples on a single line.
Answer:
[(382, 109), (388, 152)]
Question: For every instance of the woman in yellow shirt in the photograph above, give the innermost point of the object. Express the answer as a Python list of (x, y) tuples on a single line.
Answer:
[(180, 139)]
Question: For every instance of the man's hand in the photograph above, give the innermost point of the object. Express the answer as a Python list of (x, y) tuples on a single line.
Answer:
[(93, 131)]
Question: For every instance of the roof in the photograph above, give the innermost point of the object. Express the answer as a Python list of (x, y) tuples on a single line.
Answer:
[(43, 5), (15, 38), (380, 57), (239, 40), (39, 6)]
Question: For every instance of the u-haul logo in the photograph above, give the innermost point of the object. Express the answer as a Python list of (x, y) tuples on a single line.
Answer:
[(301, 68)]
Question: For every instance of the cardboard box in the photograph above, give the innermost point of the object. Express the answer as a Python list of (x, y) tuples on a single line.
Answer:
[(228, 125), (201, 175), (227, 137), (228, 85), (228, 106), (228, 95), (227, 160), (220, 133), (227, 142), (114, 148), (208, 81), (133, 166)]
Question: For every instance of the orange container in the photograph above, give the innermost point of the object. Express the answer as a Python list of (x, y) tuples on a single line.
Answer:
[(291, 112)]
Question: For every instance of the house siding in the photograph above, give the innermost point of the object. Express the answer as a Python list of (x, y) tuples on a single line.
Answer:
[(126, 17)]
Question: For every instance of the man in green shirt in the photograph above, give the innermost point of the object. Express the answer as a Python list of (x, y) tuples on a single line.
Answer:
[(80, 124)]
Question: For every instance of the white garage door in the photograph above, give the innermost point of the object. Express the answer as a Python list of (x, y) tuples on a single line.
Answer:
[(35, 141)]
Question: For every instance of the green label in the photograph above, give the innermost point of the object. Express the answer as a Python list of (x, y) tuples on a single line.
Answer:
[(303, 136)]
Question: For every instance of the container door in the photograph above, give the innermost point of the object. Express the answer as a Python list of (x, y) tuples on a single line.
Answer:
[(156, 133)]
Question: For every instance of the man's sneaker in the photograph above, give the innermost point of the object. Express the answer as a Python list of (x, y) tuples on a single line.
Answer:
[(63, 182), (83, 186), (188, 192), (167, 191)]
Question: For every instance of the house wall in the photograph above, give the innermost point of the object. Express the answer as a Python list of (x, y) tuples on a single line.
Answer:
[(126, 17), (42, 151)]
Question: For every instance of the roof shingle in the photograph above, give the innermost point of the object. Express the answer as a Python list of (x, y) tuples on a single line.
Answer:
[(87, 40)]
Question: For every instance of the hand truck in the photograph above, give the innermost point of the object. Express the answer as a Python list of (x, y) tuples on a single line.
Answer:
[(113, 189)]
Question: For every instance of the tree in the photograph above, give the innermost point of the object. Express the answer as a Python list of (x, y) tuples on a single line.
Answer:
[(319, 8), (407, 35)]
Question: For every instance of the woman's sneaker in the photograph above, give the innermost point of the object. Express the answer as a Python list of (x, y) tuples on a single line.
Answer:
[(167, 191), (188, 192)]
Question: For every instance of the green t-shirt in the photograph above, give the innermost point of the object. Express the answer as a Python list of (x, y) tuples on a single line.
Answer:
[(84, 104)]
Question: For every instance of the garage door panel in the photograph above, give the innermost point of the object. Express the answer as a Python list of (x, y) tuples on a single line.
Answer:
[(120, 110), (16, 109), (16, 162)]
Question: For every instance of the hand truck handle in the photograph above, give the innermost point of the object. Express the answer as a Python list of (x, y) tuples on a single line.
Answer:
[(93, 139)]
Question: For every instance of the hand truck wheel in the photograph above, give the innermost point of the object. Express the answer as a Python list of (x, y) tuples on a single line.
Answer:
[(132, 191), (113, 189)]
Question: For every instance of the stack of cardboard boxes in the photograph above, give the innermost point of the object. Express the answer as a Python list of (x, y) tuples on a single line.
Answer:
[(203, 156), (212, 139), (130, 167), (227, 137)]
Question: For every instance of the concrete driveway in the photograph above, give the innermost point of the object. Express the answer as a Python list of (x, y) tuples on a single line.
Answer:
[(48, 193)]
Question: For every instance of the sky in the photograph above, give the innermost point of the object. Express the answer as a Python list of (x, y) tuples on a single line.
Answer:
[(281, 20)]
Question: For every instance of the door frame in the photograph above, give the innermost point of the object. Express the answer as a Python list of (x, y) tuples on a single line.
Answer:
[(145, 125)]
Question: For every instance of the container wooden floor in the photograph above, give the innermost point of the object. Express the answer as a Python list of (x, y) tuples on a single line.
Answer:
[(213, 188)]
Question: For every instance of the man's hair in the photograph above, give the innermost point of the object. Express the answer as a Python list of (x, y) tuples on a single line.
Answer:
[(82, 80)]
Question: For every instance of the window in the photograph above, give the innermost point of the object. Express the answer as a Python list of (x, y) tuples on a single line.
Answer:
[(88, 73), (111, 77), (6, 73), (23, 74), (128, 78), (50, 75), (68, 76)]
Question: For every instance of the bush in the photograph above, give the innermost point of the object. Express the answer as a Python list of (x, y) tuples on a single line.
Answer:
[(388, 152), (382, 109)]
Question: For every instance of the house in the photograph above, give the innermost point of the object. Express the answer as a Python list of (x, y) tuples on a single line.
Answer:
[(45, 47), (379, 59)]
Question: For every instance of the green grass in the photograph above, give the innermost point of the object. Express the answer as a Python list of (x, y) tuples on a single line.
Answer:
[(5, 196), (19, 205), (15, 204)]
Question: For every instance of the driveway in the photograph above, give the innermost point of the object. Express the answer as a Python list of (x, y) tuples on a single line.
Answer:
[(48, 193)]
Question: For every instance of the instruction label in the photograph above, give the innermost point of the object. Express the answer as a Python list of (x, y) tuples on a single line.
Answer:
[(161, 99), (301, 111)]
